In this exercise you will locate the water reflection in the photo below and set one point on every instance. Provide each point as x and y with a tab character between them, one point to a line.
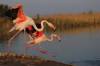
75	46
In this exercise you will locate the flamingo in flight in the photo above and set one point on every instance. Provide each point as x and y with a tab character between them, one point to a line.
22	21
39	36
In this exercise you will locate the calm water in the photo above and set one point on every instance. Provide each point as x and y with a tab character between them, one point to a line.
74	47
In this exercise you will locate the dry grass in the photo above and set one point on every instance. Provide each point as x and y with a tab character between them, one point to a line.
69	21
83	17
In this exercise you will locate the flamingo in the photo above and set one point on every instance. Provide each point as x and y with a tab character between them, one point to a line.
42	27
31	30
41	37
22	21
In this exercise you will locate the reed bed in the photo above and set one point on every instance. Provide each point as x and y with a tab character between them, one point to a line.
71	21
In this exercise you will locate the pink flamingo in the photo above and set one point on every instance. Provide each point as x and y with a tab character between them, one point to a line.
22	21
41	37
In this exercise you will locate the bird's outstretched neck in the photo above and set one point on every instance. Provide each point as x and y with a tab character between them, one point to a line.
42	25
54	36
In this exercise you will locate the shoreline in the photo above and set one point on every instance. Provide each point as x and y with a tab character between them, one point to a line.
12	59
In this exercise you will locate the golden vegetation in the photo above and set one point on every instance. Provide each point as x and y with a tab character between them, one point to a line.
71	21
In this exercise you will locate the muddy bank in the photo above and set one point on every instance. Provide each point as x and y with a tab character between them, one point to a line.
12	59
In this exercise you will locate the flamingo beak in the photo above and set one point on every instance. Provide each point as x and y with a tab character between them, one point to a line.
60	40
52	26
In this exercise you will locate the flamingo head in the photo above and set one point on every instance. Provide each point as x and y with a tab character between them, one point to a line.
52	26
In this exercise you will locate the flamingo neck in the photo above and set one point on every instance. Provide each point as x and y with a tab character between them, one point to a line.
51	38
42	26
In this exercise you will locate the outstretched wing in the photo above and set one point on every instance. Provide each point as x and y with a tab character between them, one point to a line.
11	13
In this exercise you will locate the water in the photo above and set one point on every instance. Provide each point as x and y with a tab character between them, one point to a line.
80	49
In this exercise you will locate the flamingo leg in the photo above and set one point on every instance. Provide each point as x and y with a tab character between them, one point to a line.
12	29
10	40
30	37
